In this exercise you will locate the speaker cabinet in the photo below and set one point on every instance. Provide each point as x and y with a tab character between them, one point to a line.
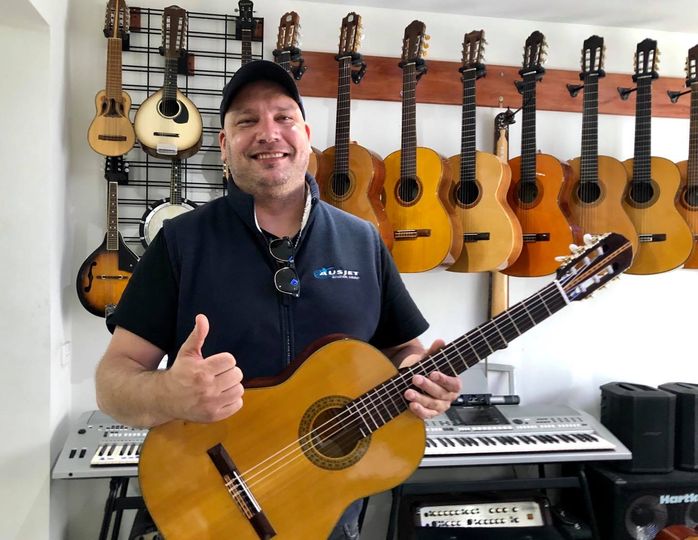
686	442
637	506
642	417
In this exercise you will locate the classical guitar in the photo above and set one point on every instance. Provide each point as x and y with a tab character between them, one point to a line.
111	132
665	241
332	429
168	124
350	176
417	180
288	55
104	275
539	190
688	190
597	182
677	532
167	208
491	234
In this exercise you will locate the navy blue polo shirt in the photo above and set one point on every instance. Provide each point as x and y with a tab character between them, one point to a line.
214	260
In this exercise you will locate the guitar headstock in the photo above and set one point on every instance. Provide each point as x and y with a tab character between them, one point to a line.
646	61
535	51
116	19
289	36
593	57
504	119
245	15
174	31
414	44
692	66
474	52
594	265
350	35
116	169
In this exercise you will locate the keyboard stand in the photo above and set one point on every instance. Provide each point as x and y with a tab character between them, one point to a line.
116	503
579	481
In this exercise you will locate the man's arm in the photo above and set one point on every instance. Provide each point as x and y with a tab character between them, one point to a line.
132	390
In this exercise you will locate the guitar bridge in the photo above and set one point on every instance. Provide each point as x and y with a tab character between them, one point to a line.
410	234
536	237
240	492
659	237
475	237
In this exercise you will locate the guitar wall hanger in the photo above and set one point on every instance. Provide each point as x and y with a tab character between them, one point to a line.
674	95
625	92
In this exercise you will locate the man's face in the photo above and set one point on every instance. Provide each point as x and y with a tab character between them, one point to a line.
265	140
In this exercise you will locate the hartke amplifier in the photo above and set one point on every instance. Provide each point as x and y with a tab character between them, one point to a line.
637	506
686	443
643	418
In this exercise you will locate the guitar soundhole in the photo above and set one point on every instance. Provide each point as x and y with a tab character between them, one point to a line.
331	437
641	192
169	108
466	193
341	185
690	197
528	192
407	190
588	192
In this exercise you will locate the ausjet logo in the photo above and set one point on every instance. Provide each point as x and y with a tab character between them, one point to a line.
678	499
330	272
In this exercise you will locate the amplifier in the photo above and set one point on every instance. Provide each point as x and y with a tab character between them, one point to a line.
686	442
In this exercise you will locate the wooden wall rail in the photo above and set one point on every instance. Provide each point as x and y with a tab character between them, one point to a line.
442	85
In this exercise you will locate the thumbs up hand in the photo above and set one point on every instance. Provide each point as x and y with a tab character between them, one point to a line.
203	389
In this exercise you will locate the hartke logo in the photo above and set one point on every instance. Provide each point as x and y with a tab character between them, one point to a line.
330	272
678	499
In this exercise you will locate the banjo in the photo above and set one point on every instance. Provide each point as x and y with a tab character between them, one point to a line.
167	208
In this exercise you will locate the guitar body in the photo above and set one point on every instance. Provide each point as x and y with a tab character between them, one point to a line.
111	132
605	213
429	213
104	275
658	215
157	213
301	497
687	204
489	214
543	215
360	192
168	134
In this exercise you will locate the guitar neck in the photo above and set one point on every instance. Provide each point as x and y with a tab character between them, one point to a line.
589	167
113	89
643	130
528	129
170	84
246	46
176	182
283	58
692	174
112	216
408	145
467	140
343	122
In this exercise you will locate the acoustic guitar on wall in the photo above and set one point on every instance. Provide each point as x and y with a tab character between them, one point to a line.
111	132
104	275
665	241
491	234
417	179
597	182
330	430
539	190
688	189
168	124
350	176
245	29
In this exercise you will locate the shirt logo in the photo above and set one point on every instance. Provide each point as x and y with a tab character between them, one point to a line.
330	272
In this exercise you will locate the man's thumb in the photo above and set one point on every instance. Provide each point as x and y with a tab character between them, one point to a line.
196	339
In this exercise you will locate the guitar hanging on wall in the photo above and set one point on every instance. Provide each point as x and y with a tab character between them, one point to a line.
597	182
111	132
104	275
417	179
665	241
168	124
538	192
167	208
351	176
491	234
333	429
245	27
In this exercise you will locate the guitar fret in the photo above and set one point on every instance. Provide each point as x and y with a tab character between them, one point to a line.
589	166
343	117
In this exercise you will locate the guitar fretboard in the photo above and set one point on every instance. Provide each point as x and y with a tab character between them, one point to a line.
341	156
113	89
467	139
112	217
692	174
589	166
528	129
408	145
643	130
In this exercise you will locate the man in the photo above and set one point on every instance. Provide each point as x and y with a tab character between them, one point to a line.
260	274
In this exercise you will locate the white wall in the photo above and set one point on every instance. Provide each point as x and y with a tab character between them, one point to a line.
635	330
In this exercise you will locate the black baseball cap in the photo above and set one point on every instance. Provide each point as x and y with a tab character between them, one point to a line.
259	70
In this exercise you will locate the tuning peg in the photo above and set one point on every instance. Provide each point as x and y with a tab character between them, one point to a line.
425	45
562	258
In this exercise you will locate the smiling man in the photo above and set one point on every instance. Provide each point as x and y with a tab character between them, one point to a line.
236	287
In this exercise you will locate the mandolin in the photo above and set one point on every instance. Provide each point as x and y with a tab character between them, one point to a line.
688	189
491	234
168	124
539	190
665	241
167	208
417	179
350	176
332	429
597	182
104	275
288	55
111	132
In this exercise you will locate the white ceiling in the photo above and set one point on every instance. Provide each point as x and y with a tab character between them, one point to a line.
667	15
